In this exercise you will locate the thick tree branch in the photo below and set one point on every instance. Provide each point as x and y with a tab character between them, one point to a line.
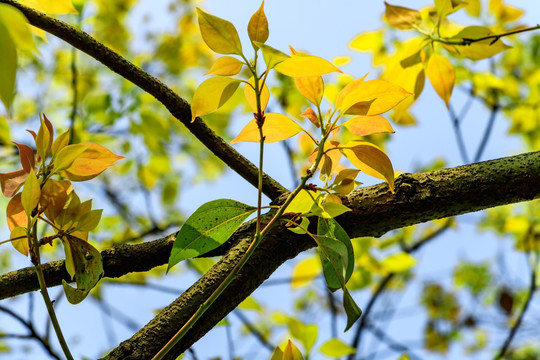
375	211
177	106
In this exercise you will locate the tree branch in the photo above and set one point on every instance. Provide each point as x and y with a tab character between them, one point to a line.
178	107
375	211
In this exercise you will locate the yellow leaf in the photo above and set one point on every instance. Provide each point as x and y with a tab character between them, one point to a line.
60	142
271	56
15	213
51	6
44	138
367	125
258	26
343	93
220	35
371	97
371	160
447	7
305	65
31	193
477	50
212	94
398	263
401	18
504	13
368	41
291	352
67	155
226	66
341	60
91	162
305	271
473	7
330	161
17	27
251	98
21	242
442	75
312	87
276	127
54	195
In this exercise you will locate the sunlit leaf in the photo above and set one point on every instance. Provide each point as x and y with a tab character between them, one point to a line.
503	12
51	6
67	155
249	303
15	23
8	66
345	182
371	97
368	125
15	213
312	116
303	202
336	348
91	162
88	268
402	18
251	98
477	50
207	228
305	65
89	220
371	160
291	352
271	56
258	26
31	193
60	142
447	7
21	242
44	138
277	354
219	34
305	271
311	87
212	94
226	66
399	262
276	127
442	76
54	196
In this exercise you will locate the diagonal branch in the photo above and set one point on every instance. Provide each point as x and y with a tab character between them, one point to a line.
178	107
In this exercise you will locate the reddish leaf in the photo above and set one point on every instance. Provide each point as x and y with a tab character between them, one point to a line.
26	155
11	182
92	162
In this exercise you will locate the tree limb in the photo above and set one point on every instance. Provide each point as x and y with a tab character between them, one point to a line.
375	211
178	107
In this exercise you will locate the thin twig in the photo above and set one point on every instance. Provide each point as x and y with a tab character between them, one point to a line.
253	330
459	136
495	37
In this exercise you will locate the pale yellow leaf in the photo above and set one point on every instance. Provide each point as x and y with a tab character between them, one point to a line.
212	94
276	127
399	262
56	7
478	50
21	240
225	66
258	26
371	160
305	65
220	35
367	125
442	76
312	87
251	98
305	271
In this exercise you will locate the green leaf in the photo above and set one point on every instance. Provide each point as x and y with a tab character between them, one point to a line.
31	193
207	228
332	209
8	68
336	348
89	221
87	265
219	34
212	94
351	309
271	56
258	26
331	228
334	259
16	25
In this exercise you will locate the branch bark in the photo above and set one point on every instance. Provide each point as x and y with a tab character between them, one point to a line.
178	107
375	211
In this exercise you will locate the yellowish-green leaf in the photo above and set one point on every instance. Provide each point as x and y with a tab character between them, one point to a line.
31	193
89	220
447	7
305	65
51	6
312	87
305	271
336	348
67	155
399	262
368	41
17	27
442	75
43	139
60	142
220	35
8	67
250	303
368	125
303	202
477	50
276	127
21	240
333	209
212	94
258	26
226	66
371	160
291	352
504	13
277	354
402	18
251	98
473	7
271	56
371	97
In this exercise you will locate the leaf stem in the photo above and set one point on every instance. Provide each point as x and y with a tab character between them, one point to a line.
34	251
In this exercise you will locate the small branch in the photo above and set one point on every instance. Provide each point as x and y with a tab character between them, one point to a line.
495	37
178	107
517	324
253	330
392	344
459	136
487	131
